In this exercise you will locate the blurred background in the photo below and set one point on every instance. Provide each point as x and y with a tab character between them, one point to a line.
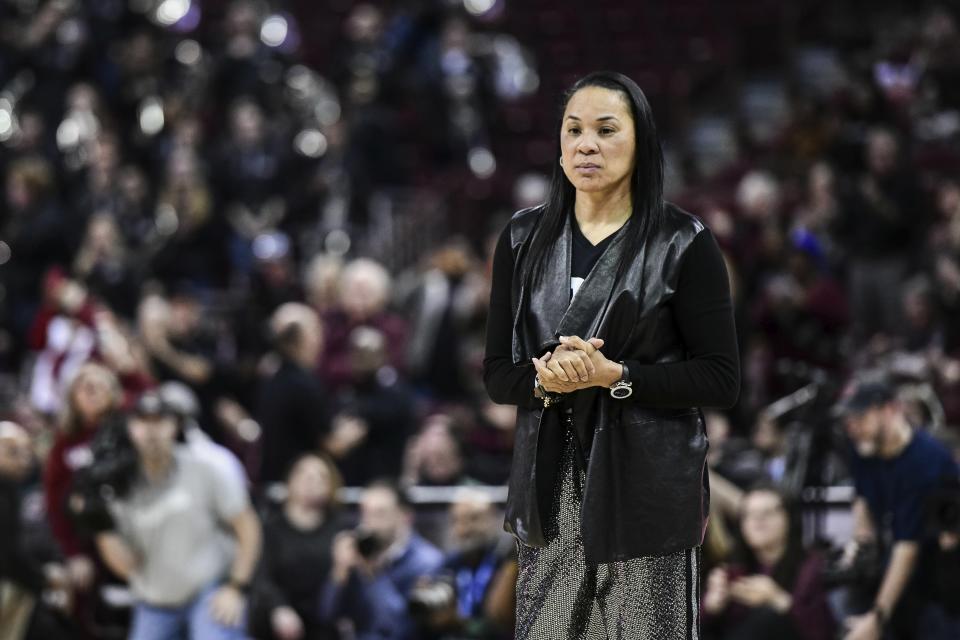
288	209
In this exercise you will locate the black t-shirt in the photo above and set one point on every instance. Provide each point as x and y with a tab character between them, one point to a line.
702	308
584	254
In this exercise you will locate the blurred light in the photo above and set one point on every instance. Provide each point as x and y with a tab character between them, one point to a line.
68	134
6	120
274	31
271	246
481	162
171	11
299	78
166	221
70	32
527	81
188	52
249	430
478	7
190	21
337	242
327	112
5	252
151	116
310	143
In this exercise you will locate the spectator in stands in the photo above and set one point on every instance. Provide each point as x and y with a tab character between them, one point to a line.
443	304
170	537
771	587
26	585
33	227
883	221
895	469
292	409
364	297
801	310
103	264
376	566
92	396
482	568
296	556
378	397
434	456
189	243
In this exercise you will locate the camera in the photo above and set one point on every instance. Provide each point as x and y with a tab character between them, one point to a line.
369	544
864	572
111	475
432	601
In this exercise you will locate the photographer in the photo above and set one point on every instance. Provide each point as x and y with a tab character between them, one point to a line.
474	595
376	565
895	469
187	574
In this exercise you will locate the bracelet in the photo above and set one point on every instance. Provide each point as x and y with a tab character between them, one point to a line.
242	587
549	398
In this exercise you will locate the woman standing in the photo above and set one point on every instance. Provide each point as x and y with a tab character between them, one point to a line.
610	325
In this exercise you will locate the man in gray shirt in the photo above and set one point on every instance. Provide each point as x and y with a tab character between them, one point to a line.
186	537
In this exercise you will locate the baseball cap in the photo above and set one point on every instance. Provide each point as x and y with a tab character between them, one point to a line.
864	390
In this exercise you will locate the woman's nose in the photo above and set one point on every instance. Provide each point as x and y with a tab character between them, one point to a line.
588	144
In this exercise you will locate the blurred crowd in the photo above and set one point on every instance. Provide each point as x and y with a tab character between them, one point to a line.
245	252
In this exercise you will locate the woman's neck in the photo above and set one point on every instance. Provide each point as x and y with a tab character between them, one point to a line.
770	555
601	208
303	517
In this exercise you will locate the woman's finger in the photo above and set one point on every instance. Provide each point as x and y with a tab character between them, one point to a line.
546	375
569	367
554	365
588	365
578	343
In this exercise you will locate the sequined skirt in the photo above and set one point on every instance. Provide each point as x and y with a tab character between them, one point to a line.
561	597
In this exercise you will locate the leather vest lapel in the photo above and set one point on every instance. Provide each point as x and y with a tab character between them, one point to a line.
547	312
540	310
588	309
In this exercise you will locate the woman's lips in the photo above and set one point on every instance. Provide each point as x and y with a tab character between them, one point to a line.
588	168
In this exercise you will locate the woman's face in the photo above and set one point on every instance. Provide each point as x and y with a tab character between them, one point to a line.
763	520
310	483
597	141
92	397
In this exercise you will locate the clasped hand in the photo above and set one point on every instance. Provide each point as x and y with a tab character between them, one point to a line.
575	364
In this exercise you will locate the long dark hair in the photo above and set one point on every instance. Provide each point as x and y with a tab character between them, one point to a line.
788	566
646	183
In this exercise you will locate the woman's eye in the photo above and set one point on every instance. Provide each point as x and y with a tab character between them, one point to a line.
573	131
606	131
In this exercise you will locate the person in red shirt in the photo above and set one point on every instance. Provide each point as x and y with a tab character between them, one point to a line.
771	587
93	393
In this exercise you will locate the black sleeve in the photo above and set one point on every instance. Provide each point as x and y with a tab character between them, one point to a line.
506	382
703	310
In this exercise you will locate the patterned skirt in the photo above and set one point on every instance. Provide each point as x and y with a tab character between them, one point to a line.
561	597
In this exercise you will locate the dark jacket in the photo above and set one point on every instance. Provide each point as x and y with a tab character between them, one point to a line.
646	489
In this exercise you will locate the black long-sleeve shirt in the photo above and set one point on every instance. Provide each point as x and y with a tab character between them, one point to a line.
702	308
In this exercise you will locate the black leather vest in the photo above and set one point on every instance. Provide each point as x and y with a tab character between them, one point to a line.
646	489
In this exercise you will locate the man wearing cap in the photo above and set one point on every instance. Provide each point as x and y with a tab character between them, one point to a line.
895	469
185	535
